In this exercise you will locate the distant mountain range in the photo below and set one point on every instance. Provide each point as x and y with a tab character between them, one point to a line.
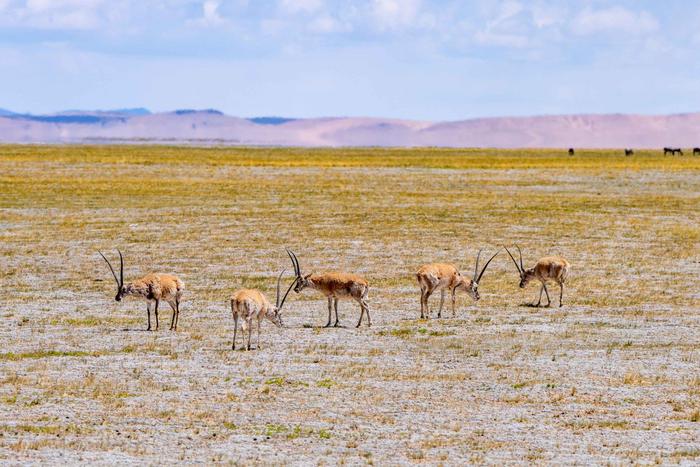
212	127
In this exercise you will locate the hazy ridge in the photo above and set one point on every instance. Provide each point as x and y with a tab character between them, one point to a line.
213	127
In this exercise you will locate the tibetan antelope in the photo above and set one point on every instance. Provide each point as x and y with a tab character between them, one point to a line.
571	151
629	152
334	285
696	151
153	288
251	304
439	276
554	268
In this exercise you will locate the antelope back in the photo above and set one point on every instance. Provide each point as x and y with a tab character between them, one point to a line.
332	283
552	267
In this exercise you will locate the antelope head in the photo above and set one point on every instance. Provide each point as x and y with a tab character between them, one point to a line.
275	313
526	275
121	290
471	286
300	282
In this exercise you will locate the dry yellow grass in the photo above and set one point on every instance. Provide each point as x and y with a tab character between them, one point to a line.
611	377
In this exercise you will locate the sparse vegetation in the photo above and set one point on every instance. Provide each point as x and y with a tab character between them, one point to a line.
618	362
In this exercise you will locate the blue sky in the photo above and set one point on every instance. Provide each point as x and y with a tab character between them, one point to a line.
418	59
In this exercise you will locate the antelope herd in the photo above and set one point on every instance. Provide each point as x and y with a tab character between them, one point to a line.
251	307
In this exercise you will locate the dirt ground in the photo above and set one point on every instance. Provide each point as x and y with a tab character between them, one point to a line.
611	377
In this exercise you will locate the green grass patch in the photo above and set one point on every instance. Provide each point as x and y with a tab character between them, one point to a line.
11	356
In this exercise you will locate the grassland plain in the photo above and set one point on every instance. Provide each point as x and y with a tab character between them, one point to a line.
611	377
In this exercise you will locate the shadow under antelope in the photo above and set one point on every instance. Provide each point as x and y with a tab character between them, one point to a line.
151	287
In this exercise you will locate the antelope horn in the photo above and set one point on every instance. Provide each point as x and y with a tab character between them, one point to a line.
487	265
289	289
295	262
522	268
514	262
110	268
121	268
279	279
476	267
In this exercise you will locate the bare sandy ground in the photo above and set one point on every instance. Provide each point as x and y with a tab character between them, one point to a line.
612	377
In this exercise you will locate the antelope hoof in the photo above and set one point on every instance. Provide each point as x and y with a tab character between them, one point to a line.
328	324
336	325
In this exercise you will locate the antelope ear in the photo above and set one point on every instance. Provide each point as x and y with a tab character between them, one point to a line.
307	276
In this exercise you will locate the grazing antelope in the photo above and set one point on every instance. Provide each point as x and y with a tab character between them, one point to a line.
629	152
673	151
250	304
554	268
439	276
334	285
153	288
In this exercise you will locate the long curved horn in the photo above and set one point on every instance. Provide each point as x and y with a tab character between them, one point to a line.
514	262
121	268
289	289
476	267
110	268
295	262
279	279
522	268
486	265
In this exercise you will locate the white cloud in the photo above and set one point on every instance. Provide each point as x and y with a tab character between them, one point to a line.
544	16
397	14
507	28
297	6
53	14
614	19
326	24
501	39
210	11
210	15
53	5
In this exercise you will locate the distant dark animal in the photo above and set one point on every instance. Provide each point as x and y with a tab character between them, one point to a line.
629	152
696	151
673	151
571	151
668	151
